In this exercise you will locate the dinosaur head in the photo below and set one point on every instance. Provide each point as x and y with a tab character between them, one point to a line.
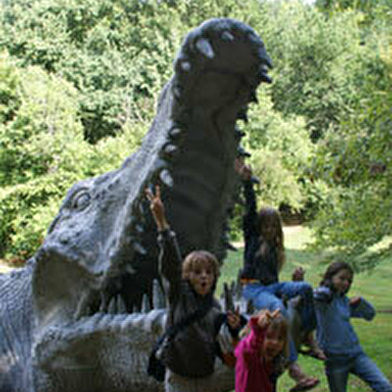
99	257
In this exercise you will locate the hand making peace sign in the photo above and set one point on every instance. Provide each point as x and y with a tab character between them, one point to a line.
157	208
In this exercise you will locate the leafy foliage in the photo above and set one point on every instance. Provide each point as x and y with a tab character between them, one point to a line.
41	152
319	63
280	152
79	82
357	168
113	52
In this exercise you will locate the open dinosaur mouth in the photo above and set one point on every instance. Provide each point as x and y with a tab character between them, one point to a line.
190	151
98	306
194	154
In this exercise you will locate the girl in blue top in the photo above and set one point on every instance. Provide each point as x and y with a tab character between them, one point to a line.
336	335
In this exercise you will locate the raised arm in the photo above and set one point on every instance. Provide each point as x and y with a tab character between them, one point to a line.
170	258
245	173
157	208
252	343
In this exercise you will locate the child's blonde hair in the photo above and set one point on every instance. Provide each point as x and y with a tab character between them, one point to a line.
200	258
278	323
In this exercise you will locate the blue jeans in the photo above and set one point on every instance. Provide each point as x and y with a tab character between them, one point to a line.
269	297
338	368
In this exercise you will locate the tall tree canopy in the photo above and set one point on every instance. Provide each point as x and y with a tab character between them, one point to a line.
79	82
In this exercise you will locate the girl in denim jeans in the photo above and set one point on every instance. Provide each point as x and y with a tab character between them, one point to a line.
264	257
336	335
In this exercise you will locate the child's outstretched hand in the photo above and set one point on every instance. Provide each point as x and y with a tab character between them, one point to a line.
354	301
298	275
157	207
266	318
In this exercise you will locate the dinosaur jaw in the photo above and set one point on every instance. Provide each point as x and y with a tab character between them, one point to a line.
106	353
98	353
96	267
190	150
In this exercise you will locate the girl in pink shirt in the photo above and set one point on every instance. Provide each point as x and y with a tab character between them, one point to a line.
262	354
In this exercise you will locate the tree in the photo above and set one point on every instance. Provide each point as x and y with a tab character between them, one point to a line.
280	151
103	63
356	165
41	153
111	51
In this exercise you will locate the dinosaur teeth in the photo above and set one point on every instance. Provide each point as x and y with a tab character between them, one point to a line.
102	307
263	68
145	304
139	228
263	76
253	97
242	153
139	248
175	132
239	134
260	49
129	269
264	58
177	91
158	296
121	307
142	209
112	308
185	66
231	247
227	36
117	305
243	115
205	48
170	150
166	178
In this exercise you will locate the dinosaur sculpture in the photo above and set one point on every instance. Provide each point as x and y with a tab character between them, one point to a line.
76	317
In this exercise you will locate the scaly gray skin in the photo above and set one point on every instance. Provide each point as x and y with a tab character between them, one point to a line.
71	327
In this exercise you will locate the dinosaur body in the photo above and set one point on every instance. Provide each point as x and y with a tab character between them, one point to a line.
72	319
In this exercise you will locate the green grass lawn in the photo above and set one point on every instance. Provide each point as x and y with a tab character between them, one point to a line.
375	336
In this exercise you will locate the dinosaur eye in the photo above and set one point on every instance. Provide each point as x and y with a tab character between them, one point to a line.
81	200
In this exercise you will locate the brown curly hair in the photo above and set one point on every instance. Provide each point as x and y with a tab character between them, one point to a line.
199	258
